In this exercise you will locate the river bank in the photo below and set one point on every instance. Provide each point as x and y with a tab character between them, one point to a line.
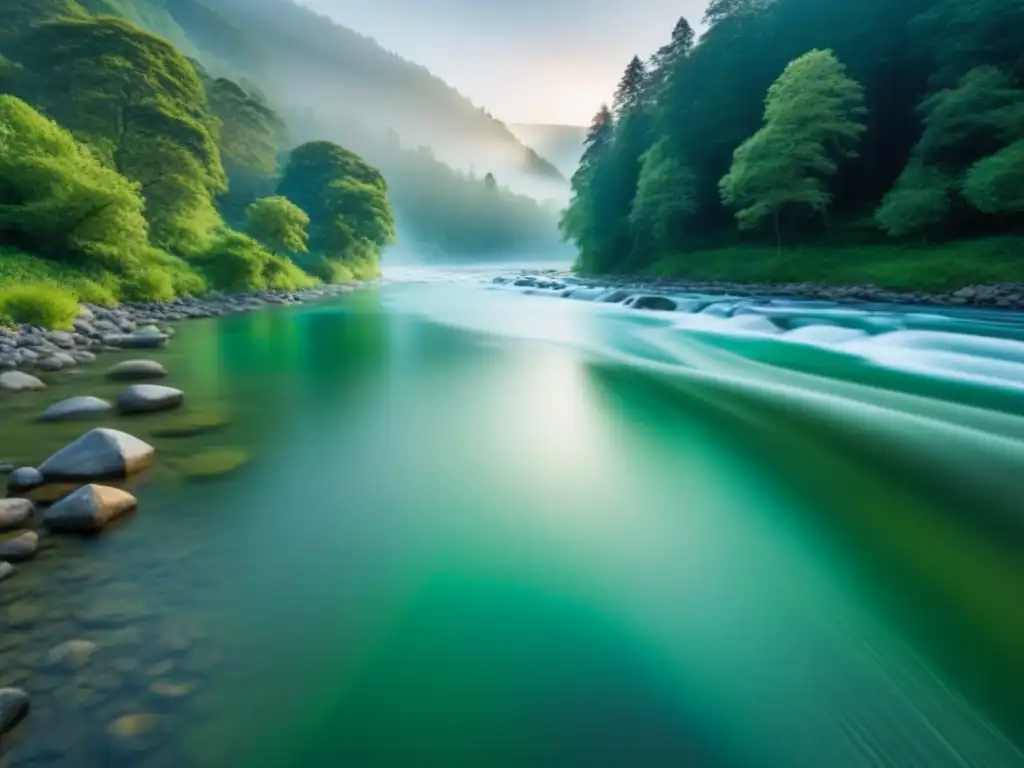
990	296
128	326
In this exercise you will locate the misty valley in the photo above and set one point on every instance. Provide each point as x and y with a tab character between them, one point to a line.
346	421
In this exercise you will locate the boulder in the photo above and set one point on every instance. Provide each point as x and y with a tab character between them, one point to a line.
89	509
148	398
136	370
16	381
14	513
14	704
19	547
75	407
97	455
6	570
24	478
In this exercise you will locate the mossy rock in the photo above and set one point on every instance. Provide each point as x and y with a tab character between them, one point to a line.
213	462
191	424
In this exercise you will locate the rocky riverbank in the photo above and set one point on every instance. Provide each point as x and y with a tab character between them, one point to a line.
998	296
29	348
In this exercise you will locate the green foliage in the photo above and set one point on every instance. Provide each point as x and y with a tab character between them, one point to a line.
665	197
57	199
920	201
38	304
280	225
237	263
996	184
251	134
811	118
134	98
346	200
92	292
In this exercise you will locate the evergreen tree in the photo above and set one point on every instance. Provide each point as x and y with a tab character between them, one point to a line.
812	119
585	220
668	57
630	92
490	182
665	198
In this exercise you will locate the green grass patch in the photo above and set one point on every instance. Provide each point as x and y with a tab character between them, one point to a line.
936	268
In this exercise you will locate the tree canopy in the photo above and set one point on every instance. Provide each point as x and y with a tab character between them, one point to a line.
347	202
134	98
279	225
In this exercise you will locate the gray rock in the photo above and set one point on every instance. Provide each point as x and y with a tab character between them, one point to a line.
14	704
58	361
661	303
143	341
89	509
62	339
137	370
20	547
6	570
24	478
148	329
16	381
83	356
14	513
97	455
75	407
148	398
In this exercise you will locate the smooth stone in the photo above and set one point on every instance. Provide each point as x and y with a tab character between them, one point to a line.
136	370
89	509
149	398
6	570
130	726
660	303
75	407
74	654
150	328
23	479
14	704
99	454
19	547
83	356
142	341
17	381
14	513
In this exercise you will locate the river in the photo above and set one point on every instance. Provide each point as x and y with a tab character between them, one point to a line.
485	528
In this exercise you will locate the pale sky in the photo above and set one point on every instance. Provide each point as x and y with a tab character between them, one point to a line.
530	61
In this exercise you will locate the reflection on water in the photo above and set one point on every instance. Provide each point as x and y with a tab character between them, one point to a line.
481	528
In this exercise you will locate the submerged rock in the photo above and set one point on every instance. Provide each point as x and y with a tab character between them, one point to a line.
89	509
24	479
74	654
149	398
99	455
192	424
137	370
16	381
659	303
19	547
14	704
142	341
214	462
75	407
14	513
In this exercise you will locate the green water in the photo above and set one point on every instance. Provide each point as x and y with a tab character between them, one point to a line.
485	529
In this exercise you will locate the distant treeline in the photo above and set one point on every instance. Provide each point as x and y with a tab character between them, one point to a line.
794	122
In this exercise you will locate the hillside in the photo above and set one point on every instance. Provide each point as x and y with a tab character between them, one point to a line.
561	144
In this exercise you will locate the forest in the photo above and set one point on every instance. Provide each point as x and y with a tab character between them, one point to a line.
814	140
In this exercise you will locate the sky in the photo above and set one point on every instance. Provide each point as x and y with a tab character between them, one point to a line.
530	61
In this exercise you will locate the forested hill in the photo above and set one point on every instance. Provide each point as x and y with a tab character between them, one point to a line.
885	127
327	82
561	144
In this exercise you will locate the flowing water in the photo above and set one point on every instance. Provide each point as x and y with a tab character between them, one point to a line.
485	528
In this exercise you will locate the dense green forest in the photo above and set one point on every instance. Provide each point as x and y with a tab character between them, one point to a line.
127	172
325	81
892	132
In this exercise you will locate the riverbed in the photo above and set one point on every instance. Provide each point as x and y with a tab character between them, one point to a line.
480	526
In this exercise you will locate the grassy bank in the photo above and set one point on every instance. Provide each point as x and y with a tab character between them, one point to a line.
944	267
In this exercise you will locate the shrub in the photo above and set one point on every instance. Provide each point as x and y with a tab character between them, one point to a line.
39	304
92	292
148	284
235	264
